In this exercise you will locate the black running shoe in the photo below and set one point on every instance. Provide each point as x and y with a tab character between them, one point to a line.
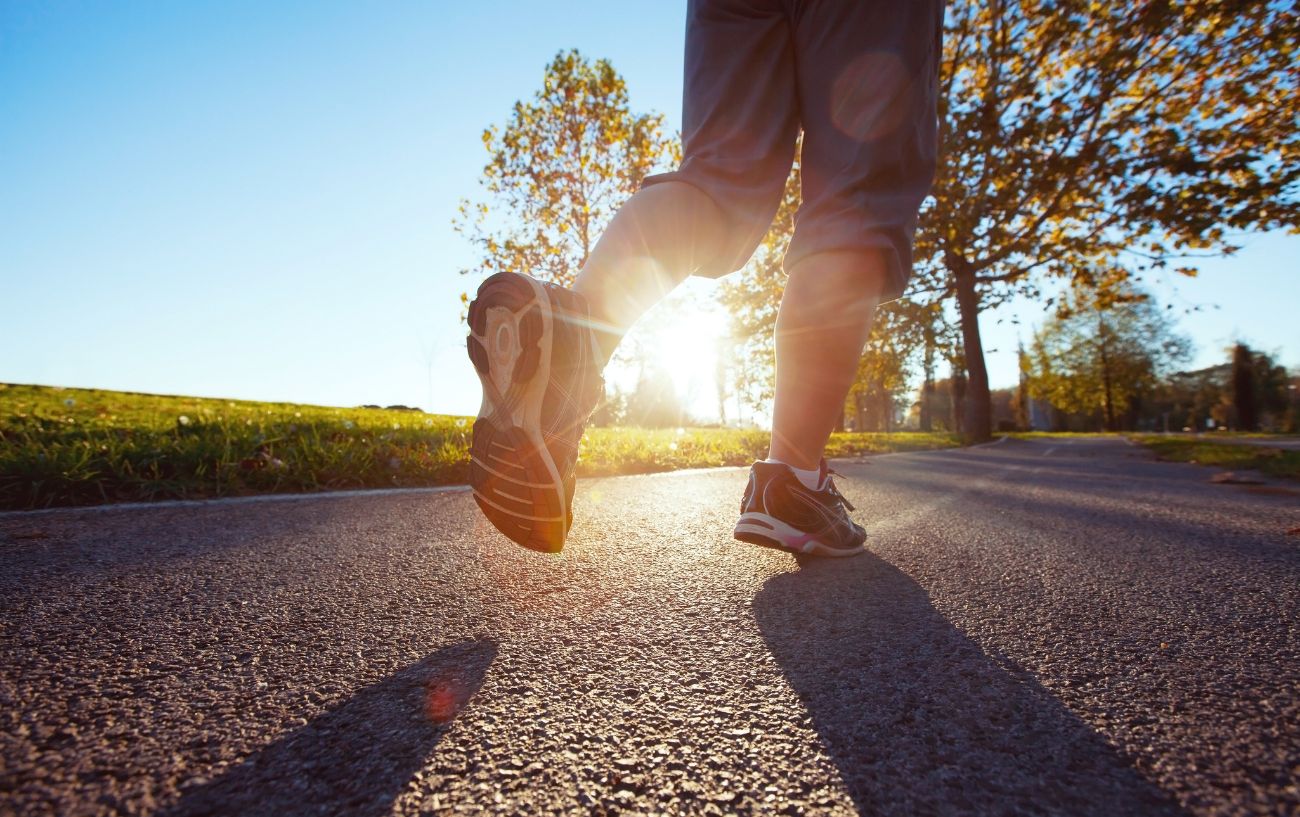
779	511
533	348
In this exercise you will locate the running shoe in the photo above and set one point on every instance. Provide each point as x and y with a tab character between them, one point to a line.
535	353
779	511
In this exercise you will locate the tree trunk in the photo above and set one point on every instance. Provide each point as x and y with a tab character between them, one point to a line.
1243	388
1020	409
978	426
927	389
958	401
1109	396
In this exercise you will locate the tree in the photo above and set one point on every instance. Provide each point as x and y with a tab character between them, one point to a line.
1260	396
1020	413
1243	387
1249	379
654	402
1077	134
1272	392
1290	419
1187	399
1101	358
896	334
937	339
612	411
559	170
946	414
925	401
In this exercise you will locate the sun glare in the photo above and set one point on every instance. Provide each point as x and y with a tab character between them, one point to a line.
682	337
687	348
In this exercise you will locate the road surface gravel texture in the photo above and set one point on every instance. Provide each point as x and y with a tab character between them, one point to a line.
1041	627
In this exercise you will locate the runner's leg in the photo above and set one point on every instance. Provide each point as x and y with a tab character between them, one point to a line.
739	128
662	235
822	325
867	89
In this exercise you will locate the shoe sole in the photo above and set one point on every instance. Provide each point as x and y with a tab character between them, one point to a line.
514	478
760	529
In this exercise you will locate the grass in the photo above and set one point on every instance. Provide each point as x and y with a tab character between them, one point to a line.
61	447
1049	435
609	451
1275	462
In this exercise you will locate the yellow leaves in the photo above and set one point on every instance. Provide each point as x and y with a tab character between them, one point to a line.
559	168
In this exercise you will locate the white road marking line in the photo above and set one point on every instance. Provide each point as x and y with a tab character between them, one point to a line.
998	441
360	492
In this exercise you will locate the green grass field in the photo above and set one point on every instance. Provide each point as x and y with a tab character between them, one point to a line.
84	447
1275	462
1060	435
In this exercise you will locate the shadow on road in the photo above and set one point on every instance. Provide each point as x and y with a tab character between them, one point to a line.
919	719
357	758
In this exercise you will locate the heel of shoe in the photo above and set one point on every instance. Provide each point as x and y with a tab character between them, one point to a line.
506	328
753	529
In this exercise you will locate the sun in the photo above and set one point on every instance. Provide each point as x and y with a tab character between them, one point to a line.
683	338
687	348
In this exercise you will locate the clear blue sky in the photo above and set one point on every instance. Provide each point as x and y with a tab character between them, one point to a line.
251	199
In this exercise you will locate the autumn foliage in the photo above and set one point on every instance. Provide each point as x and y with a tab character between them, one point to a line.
559	169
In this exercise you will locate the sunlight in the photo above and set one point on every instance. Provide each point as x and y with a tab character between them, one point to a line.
681	337
685	345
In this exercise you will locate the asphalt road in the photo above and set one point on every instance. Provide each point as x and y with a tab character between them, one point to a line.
1041	628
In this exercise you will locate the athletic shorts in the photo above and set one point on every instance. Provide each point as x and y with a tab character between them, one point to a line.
859	77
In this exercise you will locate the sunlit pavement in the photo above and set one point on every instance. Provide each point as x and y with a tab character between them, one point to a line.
1042	627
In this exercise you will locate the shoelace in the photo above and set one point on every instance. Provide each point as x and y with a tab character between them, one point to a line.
830	486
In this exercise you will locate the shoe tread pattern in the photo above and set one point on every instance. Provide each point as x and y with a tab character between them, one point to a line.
511	482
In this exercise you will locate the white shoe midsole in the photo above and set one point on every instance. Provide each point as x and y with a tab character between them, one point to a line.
788	536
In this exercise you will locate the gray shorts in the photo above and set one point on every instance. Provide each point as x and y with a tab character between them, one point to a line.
858	76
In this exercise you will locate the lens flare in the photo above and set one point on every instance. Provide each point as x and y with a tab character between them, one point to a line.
444	697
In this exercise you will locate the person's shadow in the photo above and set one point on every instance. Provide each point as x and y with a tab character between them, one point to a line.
918	719
357	758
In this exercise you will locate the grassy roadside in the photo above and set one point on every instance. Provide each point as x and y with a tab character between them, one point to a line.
1060	435
609	451
1275	462
62	447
